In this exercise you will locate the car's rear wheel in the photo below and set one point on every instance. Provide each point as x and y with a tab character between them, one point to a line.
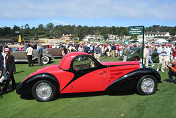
45	59
147	85
43	91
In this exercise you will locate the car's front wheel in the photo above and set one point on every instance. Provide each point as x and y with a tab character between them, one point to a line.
43	91
147	85
45	60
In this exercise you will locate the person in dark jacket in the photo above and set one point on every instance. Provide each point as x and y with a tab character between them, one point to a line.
1	60
40	55
10	67
113	48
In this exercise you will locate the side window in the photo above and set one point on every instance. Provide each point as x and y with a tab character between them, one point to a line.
83	62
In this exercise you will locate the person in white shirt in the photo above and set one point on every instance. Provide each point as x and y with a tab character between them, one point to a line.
29	53
162	58
80	48
72	48
146	56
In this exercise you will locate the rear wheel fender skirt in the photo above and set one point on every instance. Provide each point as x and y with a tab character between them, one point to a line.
129	81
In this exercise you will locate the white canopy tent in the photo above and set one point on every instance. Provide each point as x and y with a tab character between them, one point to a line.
161	41
141	40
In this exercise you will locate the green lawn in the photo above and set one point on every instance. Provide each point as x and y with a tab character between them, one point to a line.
160	105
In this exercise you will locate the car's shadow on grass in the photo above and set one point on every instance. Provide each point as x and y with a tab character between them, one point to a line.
79	95
26	97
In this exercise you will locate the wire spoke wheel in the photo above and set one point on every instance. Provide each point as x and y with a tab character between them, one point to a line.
147	85
43	90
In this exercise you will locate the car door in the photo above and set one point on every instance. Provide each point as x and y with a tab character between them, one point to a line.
19	55
88	76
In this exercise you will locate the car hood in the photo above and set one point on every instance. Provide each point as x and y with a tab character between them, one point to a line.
47	69
120	63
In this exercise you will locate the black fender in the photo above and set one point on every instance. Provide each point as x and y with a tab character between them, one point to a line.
25	86
130	80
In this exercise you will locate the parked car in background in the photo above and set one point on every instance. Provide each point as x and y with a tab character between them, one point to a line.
20	56
80	72
135	54
57	50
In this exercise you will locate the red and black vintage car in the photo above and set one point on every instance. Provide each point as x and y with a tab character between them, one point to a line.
80	72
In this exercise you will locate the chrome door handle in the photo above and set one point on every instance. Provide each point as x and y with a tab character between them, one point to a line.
101	72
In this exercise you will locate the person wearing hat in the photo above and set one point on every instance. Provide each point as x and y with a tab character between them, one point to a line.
3	66
162	58
10	67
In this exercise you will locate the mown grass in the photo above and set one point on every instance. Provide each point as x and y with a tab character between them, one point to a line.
160	105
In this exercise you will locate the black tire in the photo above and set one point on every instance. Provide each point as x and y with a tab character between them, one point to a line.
50	86
45	59
153	84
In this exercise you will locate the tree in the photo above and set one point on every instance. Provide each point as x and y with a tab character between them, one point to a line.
27	30
50	30
41	30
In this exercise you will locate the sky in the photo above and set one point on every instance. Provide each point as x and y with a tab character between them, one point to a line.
88	12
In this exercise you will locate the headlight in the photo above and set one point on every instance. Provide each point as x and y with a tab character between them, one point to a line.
141	65
47	51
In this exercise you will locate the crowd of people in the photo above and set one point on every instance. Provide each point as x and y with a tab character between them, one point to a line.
166	52
98	50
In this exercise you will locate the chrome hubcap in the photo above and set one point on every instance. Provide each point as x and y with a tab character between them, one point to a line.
147	85
43	90
45	60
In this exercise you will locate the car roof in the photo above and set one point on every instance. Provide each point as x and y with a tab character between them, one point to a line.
15	46
66	60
